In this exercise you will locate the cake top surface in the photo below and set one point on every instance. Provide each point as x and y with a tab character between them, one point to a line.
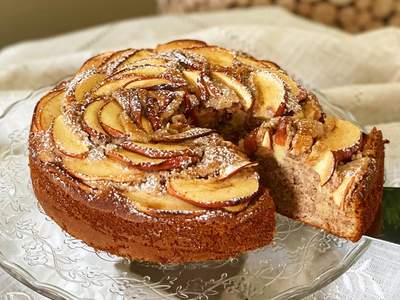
172	128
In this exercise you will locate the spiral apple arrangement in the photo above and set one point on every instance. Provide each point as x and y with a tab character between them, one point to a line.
172	128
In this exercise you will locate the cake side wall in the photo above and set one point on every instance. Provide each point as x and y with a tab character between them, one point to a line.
161	240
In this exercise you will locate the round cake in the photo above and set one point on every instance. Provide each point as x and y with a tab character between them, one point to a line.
167	155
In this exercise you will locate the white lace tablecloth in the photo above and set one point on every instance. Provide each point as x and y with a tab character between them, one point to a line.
360	73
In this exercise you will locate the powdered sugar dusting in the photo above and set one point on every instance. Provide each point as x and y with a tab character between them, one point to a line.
169	118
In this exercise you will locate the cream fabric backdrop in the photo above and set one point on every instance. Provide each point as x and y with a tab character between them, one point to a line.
360	73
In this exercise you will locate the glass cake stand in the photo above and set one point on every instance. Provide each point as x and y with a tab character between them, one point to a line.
35	251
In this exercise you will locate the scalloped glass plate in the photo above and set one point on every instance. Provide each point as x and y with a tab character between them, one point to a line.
35	251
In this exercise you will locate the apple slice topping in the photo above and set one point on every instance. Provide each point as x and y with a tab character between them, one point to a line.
66	140
141	71
191	133
151	203
270	94
324	166
94	62
344	139
100	169
339	195
86	84
147	83
48	109
136	56
116	59
180	44
257	64
291	84
150	61
90	122
244	94
192	77
133	131
111	85
348	179
234	167
338	145
151	164
214	55
110	120
157	150
213	193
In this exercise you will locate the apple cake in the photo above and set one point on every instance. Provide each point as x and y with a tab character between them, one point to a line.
184	152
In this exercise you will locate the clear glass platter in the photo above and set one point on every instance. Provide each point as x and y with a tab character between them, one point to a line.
35	251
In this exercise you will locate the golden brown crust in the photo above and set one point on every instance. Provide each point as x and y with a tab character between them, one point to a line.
106	222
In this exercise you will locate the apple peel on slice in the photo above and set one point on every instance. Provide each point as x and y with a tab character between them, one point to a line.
271	95
349	173
257	64
100	169
213	193
110	120
95	61
147	83
191	133
180	44
235	167
246	99
157	150
66	140
87	84
343	140
325	166
90	120
48	108
132	130
141	71
110	85
151	203
214	55
151	164
136	56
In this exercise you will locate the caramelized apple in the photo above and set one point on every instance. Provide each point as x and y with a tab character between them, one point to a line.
66	140
94	62
86	84
270	95
153	203
344	139
48	109
325	166
136	56
90	122
158	150
100	169
212	193
242	91
151	164
180	44
191	133
109	119
214	55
